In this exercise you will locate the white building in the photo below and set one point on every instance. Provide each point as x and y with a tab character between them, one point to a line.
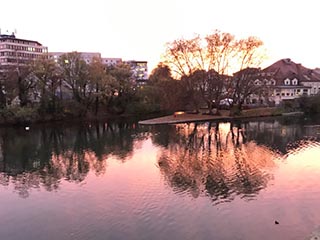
15	51
88	56
287	80
293	80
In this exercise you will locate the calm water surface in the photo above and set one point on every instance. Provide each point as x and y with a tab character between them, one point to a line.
185	181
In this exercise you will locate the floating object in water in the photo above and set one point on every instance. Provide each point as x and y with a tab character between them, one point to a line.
27	128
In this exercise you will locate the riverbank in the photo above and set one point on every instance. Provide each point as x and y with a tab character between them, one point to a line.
29	116
21	117
182	117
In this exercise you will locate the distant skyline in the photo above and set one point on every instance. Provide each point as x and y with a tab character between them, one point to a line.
139	29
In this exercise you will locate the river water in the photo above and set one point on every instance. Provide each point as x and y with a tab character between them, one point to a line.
257	179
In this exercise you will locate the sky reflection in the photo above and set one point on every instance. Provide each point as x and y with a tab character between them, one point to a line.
220	161
187	181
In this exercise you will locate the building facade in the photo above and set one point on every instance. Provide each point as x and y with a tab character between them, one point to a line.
88	57
286	80
111	61
16	51
139	71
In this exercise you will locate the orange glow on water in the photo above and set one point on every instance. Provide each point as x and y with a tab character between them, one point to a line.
181	181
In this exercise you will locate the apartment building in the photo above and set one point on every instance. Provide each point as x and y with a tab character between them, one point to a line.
88	57
139	71
111	61
15	51
139	68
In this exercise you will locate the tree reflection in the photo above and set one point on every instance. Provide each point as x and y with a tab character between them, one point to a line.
281	134
216	159
44	156
220	160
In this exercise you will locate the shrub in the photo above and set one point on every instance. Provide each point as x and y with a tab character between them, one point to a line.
142	108
18	115
310	105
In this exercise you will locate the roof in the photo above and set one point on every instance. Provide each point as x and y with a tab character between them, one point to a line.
248	71
286	68
12	36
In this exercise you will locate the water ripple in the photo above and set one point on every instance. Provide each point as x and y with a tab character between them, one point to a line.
301	146
218	174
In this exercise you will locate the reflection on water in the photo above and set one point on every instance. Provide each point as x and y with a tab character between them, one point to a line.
216	160
187	181
44	156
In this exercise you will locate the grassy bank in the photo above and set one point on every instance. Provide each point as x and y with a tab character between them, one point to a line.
18	116
261	112
26	116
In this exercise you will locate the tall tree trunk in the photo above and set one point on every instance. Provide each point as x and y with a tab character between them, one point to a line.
3	99
22	93
97	101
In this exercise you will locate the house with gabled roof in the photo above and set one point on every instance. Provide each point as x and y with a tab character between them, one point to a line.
288	80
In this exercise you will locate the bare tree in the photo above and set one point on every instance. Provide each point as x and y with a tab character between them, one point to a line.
184	56
205	65
187	61
246	82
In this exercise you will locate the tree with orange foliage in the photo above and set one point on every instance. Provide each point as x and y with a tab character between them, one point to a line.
205	65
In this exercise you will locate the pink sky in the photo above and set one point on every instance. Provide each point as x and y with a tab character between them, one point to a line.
139	29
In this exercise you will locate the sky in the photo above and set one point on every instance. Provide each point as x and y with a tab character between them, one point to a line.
139	29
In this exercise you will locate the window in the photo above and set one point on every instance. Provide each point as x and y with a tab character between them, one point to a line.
287	82
295	82
257	82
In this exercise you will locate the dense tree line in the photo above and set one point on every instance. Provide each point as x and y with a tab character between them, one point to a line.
194	73
68	85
